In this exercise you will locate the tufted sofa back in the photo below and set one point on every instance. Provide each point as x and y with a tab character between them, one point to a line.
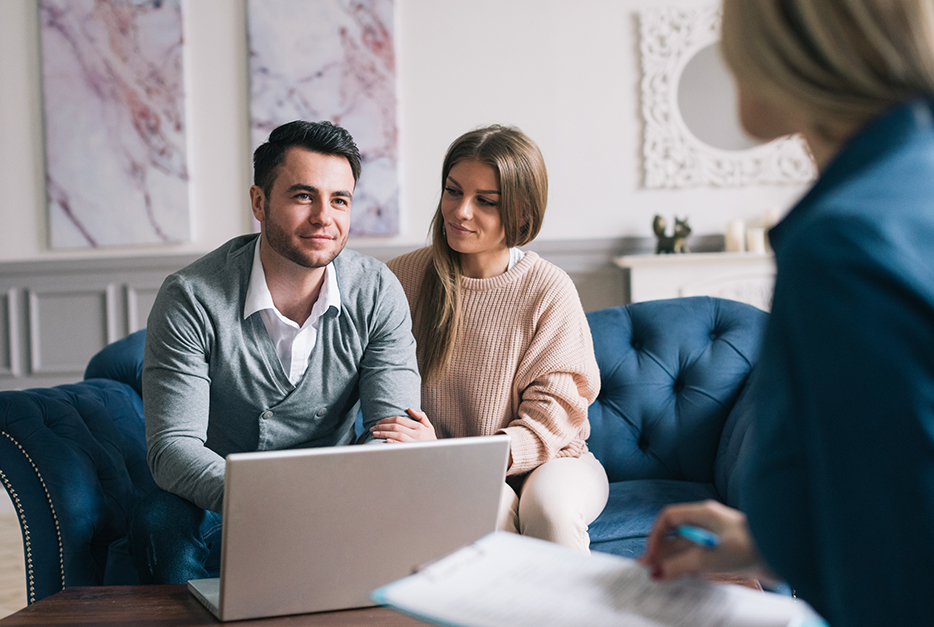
671	372
120	361
73	459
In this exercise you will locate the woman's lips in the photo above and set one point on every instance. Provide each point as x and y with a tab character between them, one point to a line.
459	229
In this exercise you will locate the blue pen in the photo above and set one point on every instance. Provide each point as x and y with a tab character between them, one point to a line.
702	537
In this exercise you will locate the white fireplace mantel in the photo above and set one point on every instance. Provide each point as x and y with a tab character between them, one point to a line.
746	277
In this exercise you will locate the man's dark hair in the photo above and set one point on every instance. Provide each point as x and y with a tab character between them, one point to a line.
322	137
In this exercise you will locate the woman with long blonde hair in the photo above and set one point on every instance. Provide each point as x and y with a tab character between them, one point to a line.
839	500
503	343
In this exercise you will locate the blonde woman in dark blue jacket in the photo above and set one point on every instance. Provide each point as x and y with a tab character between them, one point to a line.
839	501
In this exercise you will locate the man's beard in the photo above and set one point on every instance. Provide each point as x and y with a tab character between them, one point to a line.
281	242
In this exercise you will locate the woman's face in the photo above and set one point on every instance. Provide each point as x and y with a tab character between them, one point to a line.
761	116
470	207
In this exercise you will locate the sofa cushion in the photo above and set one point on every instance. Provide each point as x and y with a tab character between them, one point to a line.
632	508
670	371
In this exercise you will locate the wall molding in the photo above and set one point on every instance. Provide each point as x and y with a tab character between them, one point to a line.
59	312
9	350
52	323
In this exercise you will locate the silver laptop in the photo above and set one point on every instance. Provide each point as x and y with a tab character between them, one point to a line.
319	529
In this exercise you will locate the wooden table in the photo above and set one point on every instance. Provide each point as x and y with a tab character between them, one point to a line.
175	606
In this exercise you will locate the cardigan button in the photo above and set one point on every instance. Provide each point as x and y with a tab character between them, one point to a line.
321	412
266	415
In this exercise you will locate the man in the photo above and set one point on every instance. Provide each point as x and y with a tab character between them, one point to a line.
268	342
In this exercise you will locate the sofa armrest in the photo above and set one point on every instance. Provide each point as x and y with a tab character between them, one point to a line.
121	361
730	464
73	459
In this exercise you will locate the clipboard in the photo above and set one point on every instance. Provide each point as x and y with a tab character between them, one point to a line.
505	579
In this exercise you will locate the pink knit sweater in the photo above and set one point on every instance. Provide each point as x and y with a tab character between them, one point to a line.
523	363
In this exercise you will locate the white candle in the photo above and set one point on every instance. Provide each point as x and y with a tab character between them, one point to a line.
734	238
755	239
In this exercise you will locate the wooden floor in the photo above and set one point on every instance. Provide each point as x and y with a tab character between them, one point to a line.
12	566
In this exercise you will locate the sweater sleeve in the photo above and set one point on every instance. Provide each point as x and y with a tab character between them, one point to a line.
557	379
176	399
389	379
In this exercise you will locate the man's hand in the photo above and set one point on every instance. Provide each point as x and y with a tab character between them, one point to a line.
402	429
670	557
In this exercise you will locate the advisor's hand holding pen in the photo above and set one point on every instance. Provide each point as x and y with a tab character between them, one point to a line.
696	538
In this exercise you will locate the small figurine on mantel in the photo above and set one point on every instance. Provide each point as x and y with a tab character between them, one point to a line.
676	243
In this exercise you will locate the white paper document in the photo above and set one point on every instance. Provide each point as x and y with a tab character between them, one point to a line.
506	579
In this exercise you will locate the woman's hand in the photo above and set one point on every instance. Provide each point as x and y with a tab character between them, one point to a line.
402	429
670	557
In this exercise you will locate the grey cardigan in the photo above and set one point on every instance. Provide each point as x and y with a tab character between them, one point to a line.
213	385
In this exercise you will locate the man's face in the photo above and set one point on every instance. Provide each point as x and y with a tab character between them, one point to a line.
306	216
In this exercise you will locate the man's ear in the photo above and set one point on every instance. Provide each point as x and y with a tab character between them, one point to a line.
257	202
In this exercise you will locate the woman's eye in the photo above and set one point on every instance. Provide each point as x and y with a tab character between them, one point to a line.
485	202
450	191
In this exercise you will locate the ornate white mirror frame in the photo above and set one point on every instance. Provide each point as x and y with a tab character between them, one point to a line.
673	156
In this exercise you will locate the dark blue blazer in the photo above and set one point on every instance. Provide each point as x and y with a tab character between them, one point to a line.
840	496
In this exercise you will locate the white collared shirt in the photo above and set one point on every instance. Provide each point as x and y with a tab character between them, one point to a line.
293	343
515	256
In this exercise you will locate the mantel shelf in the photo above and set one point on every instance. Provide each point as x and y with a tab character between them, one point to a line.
746	277
635	261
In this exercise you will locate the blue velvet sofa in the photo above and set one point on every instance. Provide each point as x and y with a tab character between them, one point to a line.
672	413
668	426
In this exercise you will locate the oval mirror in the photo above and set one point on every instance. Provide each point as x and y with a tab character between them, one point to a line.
707	102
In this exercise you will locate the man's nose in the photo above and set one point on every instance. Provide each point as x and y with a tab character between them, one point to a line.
321	214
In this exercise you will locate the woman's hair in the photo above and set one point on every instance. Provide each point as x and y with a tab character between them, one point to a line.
841	59
523	186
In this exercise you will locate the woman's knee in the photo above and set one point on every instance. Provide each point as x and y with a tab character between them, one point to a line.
561	498
568	483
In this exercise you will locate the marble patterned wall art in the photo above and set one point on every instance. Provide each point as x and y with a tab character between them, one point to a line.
691	134
332	60
117	170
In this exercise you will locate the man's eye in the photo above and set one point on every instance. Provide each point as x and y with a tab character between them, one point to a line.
341	201
303	196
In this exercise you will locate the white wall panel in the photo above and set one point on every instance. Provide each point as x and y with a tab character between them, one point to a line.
67	326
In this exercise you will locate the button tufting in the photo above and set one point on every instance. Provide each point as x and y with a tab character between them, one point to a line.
679	385
636	344
643	443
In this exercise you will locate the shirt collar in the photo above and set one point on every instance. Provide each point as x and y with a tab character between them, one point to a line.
259	298
881	137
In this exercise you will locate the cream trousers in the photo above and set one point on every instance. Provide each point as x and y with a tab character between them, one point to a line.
558	500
